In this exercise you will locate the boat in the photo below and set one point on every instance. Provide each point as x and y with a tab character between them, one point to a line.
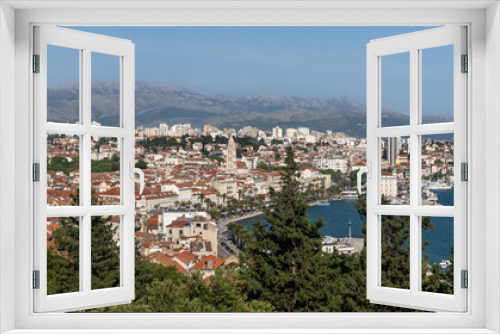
323	203
431	196
395	201
444	264
438	185
349	194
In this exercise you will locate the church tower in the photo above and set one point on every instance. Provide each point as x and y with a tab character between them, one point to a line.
231	155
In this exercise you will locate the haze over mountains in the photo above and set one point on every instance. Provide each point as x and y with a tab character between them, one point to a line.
173	104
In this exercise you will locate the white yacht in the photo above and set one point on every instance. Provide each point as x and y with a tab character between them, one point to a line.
430	195
444	264
438	185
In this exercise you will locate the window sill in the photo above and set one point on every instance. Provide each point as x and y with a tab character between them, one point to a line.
248	331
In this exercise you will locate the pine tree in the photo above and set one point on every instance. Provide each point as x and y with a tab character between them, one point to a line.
283	260
63	258
395	251
105	254
395	259
440	282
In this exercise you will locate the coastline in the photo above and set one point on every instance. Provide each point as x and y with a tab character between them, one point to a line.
257	213
339	213
237	219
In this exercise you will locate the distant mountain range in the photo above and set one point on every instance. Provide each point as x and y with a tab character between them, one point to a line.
173	104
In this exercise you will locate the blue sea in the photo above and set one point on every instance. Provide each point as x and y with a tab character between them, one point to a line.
338	214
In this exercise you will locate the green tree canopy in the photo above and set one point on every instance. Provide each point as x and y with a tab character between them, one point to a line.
283	258
141	164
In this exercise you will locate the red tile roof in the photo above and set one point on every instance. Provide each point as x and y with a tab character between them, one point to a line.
186	257
178	223
203	263
167	261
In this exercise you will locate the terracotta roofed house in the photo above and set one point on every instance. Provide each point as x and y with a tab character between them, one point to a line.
207	265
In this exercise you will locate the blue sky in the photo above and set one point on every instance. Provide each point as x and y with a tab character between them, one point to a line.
307	61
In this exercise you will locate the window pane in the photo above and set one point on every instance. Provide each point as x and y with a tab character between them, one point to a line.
63	170
395	95
437	84
105	166
105	252
63	255
395	170
437	170
395	260
63	85
437	254
105	89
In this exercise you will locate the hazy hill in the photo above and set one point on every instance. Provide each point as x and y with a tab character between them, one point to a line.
170	103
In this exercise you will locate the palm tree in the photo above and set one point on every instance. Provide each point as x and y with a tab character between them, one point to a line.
322	189
240	207
201	198
208	203
309	190
232	205
229	208
236	230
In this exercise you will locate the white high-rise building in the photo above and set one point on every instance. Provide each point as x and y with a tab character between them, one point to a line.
389	183
310	139
152	132
290	132
277	132
391	149
334	163
163	129
303	130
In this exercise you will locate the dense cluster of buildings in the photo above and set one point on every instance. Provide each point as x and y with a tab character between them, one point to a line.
437	168
185	181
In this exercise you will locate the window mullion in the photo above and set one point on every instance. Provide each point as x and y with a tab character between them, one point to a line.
85	257
39	188
85	149
373	156
392	210
86	172
394	131
105	131
459	156
415	98
67	129
434	129
415	251
127	110
109	210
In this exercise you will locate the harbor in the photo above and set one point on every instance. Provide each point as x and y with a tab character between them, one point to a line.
338	213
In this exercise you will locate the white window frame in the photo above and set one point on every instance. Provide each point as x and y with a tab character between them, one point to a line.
85	44
483	21
413	44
